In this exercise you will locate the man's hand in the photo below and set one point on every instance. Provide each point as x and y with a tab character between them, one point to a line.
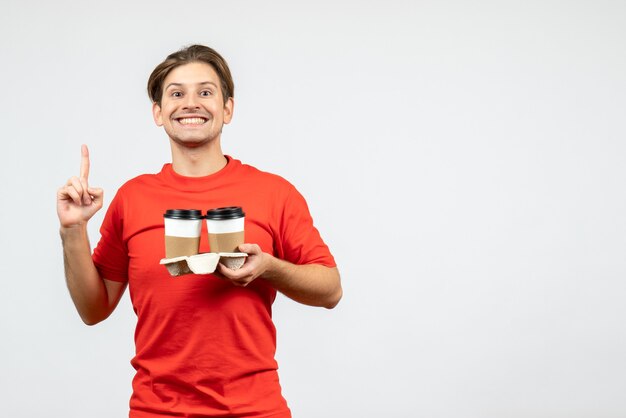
76	201
311	284
256	264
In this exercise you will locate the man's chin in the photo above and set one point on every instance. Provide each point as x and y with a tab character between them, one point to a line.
193	142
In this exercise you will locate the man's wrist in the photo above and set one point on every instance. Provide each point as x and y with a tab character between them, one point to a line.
274	269
72	232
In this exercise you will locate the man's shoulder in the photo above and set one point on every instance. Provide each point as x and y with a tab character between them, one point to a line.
139	181
267	178
138	184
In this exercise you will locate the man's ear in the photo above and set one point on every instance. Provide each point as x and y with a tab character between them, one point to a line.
156	114
229	106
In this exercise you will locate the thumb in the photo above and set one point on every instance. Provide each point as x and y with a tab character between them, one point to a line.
97	193
249	248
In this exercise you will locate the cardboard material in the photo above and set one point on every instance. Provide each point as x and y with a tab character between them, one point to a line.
233	261
204	263
195	264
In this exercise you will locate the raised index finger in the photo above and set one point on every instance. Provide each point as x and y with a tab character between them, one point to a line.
84	162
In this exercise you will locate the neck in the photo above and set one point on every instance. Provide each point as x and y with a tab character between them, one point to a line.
200	161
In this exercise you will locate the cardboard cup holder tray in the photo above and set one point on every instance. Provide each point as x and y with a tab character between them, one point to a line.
204	263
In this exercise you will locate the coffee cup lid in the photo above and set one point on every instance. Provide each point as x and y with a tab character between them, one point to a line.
229	212
183	214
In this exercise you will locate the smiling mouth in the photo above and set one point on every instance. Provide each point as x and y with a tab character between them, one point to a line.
191	121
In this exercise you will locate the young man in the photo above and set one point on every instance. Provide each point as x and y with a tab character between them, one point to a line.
205	344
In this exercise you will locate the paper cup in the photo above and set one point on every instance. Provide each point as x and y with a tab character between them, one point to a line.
226	229
182	232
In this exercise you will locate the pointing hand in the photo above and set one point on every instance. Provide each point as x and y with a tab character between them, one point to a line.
76	201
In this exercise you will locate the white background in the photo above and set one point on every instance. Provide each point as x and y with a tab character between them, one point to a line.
463	160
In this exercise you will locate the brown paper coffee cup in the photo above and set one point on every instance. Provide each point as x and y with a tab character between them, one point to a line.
226	229
182	232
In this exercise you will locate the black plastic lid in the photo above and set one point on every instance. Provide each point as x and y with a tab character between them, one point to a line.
183	214
230	212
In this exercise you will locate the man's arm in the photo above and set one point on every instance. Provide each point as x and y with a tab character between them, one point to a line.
310	284
95	298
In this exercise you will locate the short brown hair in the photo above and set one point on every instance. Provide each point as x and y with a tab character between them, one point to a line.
193	53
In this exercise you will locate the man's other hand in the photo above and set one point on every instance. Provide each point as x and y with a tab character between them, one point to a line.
256	264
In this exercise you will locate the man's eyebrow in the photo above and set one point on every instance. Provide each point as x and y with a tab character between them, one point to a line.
200	84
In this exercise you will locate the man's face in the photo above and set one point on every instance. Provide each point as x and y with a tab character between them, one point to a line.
192	110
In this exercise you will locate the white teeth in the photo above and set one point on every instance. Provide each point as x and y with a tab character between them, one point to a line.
191	121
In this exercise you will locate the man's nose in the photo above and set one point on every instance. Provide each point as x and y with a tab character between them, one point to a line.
191	102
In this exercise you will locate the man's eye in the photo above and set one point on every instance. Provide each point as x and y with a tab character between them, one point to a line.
177	94
205	93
